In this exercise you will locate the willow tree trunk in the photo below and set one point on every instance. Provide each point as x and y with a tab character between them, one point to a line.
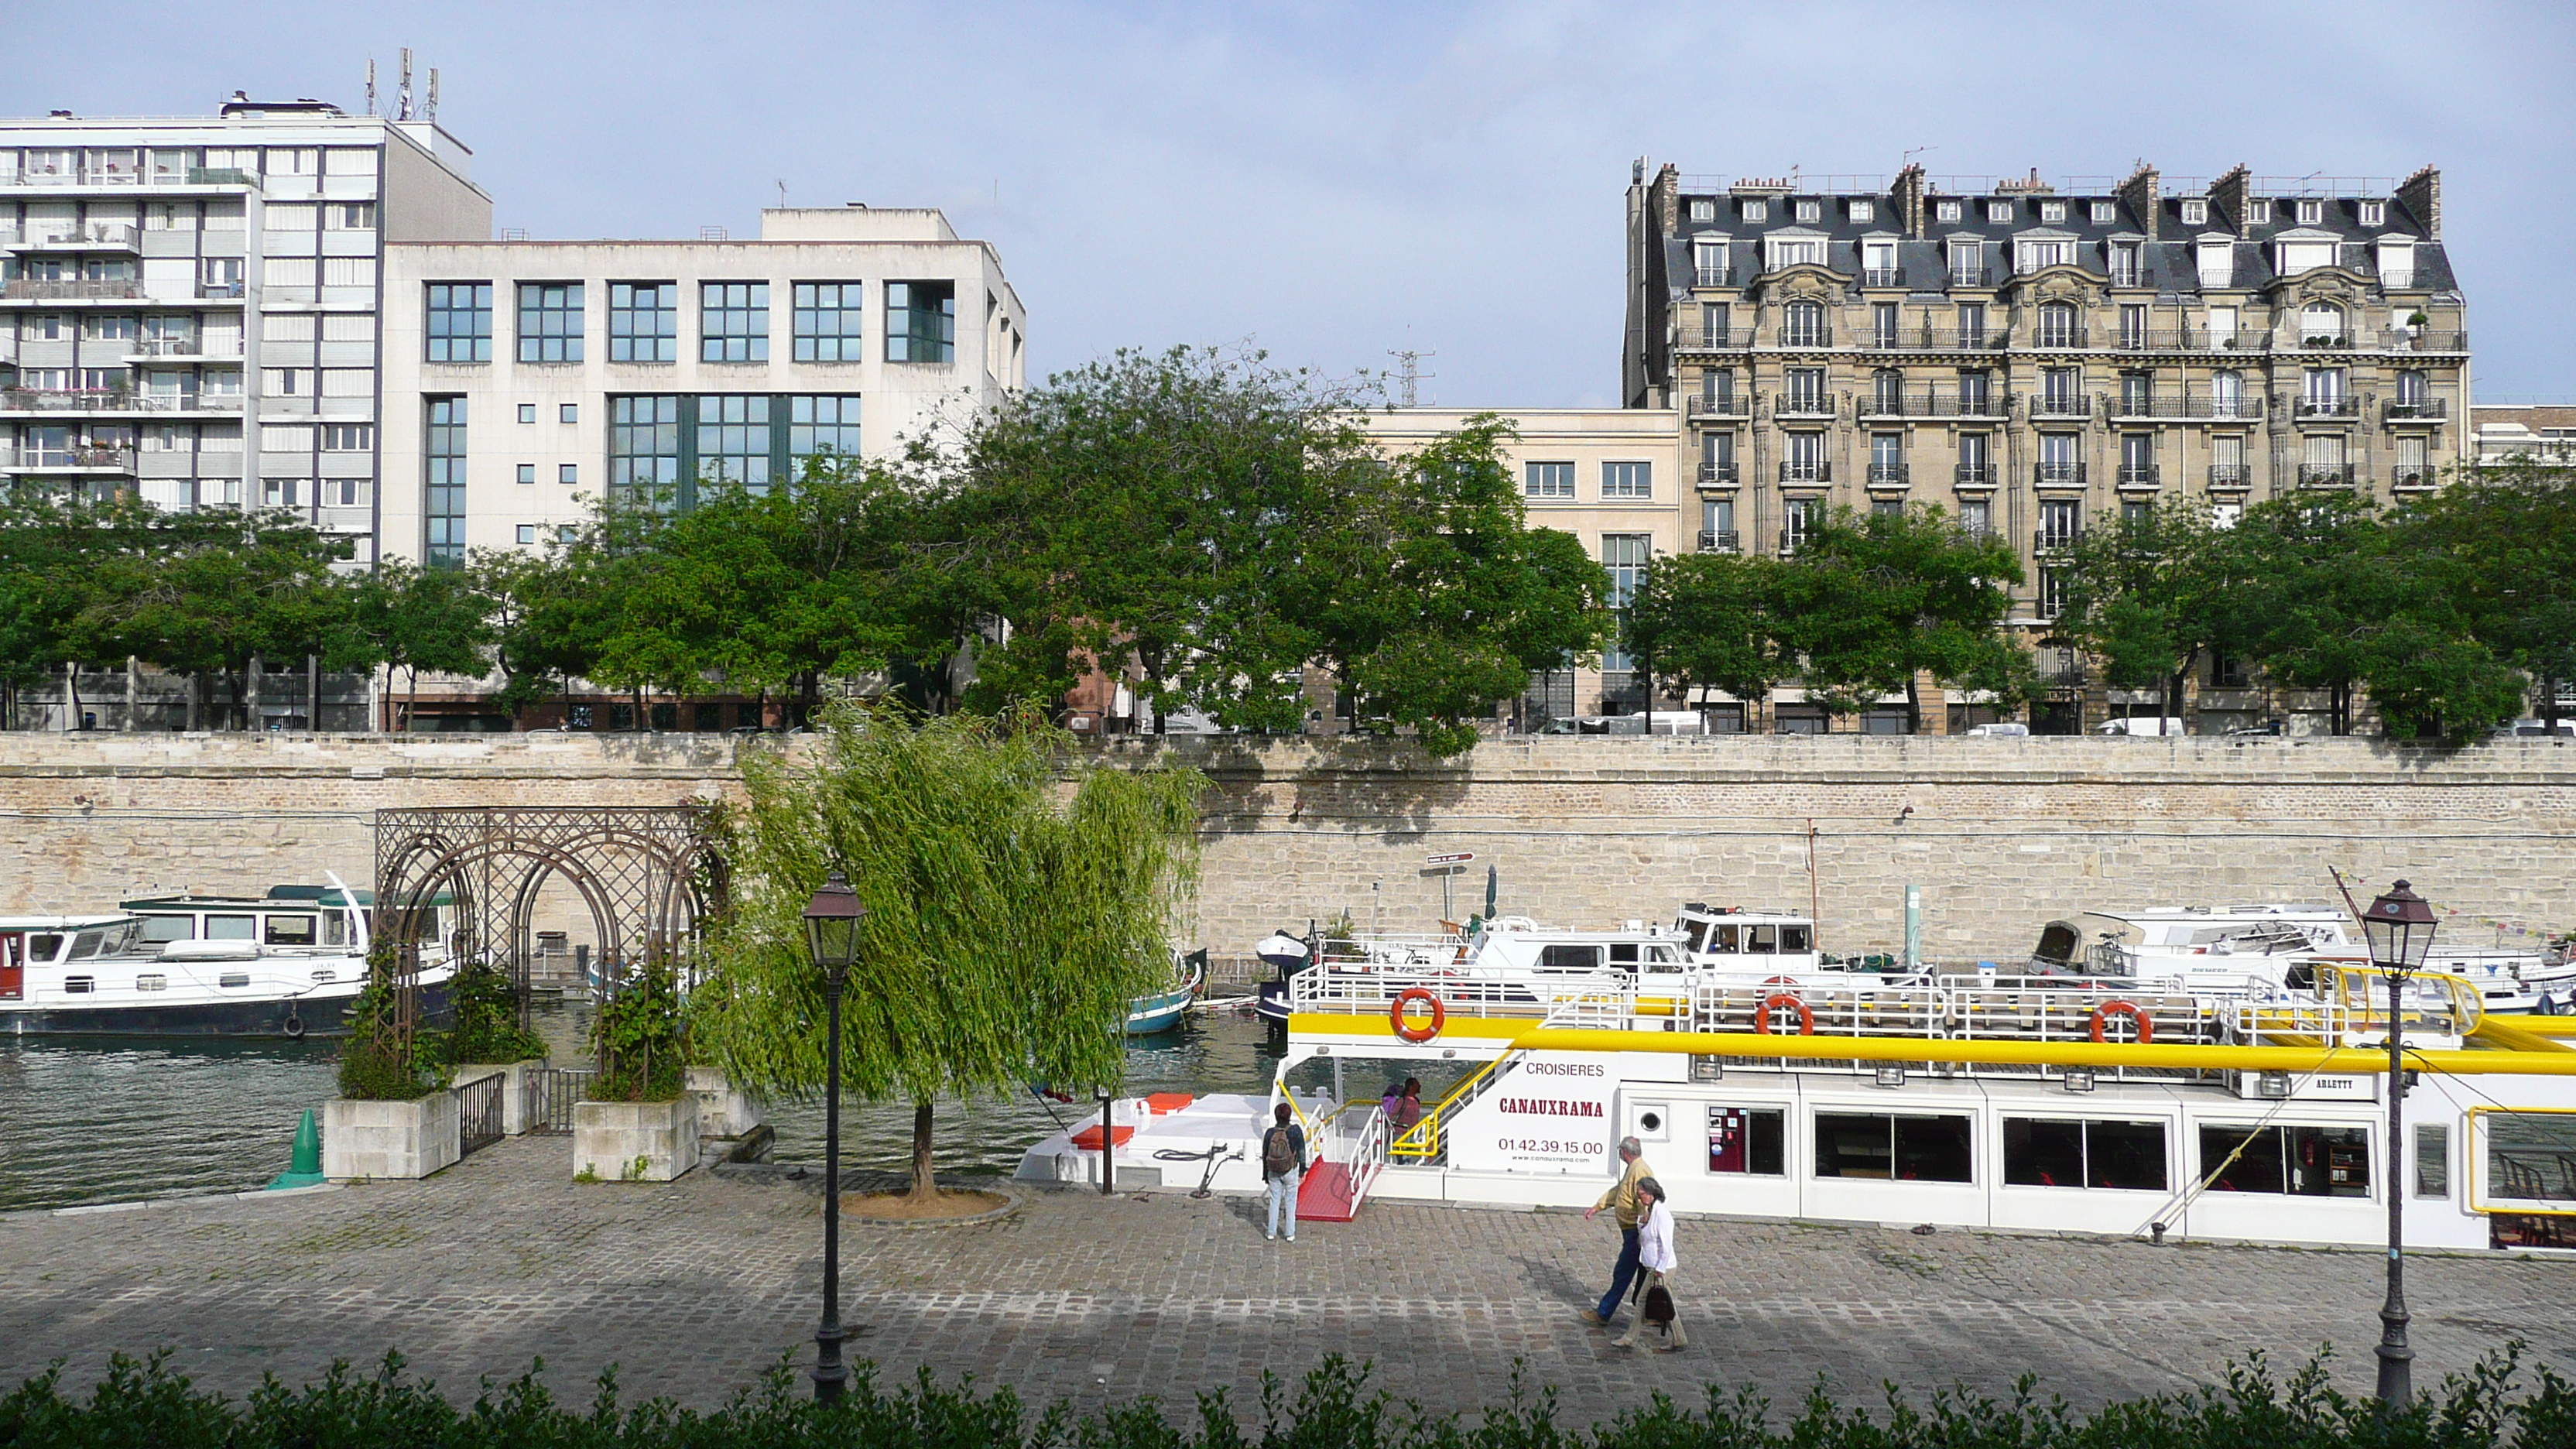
923	1184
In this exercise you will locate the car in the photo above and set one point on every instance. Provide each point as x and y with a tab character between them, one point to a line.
2142	725
2533	729
2245	732
2007	731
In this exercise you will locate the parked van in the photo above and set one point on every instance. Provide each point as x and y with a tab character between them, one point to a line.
2142	725
2012	731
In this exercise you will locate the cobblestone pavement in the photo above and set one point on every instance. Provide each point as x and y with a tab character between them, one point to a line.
693	1287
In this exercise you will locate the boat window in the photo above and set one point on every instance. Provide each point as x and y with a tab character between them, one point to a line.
1624	953
2119	1155
2302	1161
1562	957
1907	1149
1697	933
232	928
291	930
2432	1159
2057	942
233	978
153	982
1748	1140
43	948
1762	940
326	976
80	985
1662	958
86	944
1797	940
160	931
335	929
2531	1156
1725	940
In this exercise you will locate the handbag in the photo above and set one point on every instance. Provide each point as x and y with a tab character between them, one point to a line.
1658	1306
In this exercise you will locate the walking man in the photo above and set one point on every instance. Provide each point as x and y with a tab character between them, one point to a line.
1655	1304
1621	1199
1283	1162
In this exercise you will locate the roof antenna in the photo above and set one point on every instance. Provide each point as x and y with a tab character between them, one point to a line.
782	193
371	85
1409	374
402	97
430	111
1917	151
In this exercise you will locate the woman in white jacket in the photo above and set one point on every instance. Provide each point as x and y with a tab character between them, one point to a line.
1655	1257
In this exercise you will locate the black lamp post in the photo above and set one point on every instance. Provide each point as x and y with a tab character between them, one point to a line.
2399	926
832	934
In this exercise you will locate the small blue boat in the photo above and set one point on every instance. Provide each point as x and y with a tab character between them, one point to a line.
1163	1011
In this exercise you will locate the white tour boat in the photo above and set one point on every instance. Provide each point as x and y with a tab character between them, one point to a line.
2263	948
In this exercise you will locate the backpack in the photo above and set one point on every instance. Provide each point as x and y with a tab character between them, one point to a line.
1278	1154
1658	1307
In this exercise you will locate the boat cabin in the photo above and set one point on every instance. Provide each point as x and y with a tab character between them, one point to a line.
49	942
289	920
1731	939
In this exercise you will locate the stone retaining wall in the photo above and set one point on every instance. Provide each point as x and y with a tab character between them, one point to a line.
2003	833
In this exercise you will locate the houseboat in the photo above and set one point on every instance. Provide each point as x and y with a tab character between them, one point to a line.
2261	948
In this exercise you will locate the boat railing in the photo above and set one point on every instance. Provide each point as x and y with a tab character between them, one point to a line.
1341	990
1431	948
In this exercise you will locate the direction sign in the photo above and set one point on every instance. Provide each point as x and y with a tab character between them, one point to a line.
1461	858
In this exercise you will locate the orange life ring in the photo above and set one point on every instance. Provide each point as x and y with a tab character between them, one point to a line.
2102	1016
1762	1013
1396	1014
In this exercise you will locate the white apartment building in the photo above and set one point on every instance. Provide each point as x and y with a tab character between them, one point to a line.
525	379
189	306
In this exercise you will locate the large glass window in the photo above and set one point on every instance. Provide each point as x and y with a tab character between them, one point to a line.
2531	1156
2432	1159
550	321
644	443
733	321
643	321
733	440
820	425
1627	480
827	320
444	478
2120	1155
1906	1149
1548	480
1626	556
921	322
460	322
2299	1161
1748	1140
1802	324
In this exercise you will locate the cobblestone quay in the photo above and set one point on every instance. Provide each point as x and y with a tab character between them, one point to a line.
693	1287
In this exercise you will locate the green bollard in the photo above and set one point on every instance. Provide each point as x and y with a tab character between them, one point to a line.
305	1169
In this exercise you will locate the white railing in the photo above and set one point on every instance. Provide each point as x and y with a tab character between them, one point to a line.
117	236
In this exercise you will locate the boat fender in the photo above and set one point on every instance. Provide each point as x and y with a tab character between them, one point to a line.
2146	1030
1777	1000
1404	1026
294	1027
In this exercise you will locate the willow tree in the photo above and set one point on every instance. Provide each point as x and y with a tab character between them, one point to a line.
1018	898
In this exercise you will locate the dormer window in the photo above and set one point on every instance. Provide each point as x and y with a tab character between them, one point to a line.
1999	211
2258	213
1757	211
1797	252
2294	257
2052	212
2311	212
1810	211
1864	211
2216	263
2374	213
1703	211
2124	264
2032	255
2396	263
2105	213
2195	211
1945	211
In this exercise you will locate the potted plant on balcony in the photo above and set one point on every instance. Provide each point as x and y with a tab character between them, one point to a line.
394	1117
639	1123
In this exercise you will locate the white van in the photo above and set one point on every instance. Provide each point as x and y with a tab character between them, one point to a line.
2142	725
2010	731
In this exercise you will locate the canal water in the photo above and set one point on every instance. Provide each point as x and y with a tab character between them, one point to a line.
113	1121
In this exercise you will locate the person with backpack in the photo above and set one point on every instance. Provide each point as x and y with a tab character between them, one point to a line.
1621	1199
1655	1306
1283	1162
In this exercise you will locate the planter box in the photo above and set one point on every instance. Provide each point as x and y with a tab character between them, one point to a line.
389	1139
635	1141
722	1110
514	1089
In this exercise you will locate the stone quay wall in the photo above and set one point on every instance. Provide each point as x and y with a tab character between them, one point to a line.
2002	834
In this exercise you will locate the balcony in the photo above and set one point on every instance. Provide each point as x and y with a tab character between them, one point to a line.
1973	475
1712	339
219	291
2057	475
1717	475
1719	541
114	400
2325	475
1940	405
1804	405
2059	339
2198	406
1794	539
1882	276
1792	336
2411	476
1886	475
2236	342
2417	410
1725	405
120	176
2152	339
2329	408
1971	277
2230	475
153	349
68	460
1819	471
2139	475
1930	339
2061	405
2057	540
2403	340
85	289
97	236
1712	277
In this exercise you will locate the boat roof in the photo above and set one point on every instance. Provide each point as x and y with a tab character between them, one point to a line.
1697	910
2252	912
279	898
62	923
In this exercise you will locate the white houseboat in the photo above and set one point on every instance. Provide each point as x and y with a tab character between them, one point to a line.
2261	948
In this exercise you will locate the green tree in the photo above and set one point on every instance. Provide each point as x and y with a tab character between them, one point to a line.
1877	602
2153	597
50	546
2503	540
1714	621
1017	900
410	618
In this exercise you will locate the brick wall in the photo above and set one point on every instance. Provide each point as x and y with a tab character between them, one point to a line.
2004	833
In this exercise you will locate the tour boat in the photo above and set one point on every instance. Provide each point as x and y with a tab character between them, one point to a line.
2262	948
287	964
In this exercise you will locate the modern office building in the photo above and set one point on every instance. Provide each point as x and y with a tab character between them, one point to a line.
527	379
2032	356
189	306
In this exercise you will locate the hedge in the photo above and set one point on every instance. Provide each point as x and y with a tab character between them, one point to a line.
144	1403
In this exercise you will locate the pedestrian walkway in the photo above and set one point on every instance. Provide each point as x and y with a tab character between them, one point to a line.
693	1287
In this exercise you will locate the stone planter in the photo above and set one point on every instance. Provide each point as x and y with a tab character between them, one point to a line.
635	1141
514	1089
389	1139
723	1111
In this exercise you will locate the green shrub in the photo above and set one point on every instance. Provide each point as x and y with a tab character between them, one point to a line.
487	1026
376	1063
636	1037
146	1403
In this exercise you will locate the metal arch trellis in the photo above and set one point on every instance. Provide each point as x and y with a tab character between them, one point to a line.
647	874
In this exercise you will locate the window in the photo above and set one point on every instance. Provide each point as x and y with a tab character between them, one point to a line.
1751	1141
1797	252
444	510
2432	1159
1803	459
1864	211
549	322
527	533
280	492
287	327
821	425
2137	392
2195	212
2124	264
2138	455
2057	459
827	316
2052	592
2057	325
231	980
1878	264
108	327
460	321
2060	389
1976	517
79	985
1627	480
348	271
286	381
2052	213
1972	324
2294	257
733	440
1945	211
2321	325
568	413
2115	1155
733	321
643	322
1976	393
293	930
2105	213
527	412
1976	453
1626	556
1757	210
349	216
348	437
153	981
1548	480
2215	262
1806	390
2322	389
2396	263
348	382
2258	213
2374	213
644	442
2528	1156
1810	211
568	474
1802	324
2227	394
1999	211
1708	264
344	492
1703	210
1886	458
2298	1161
2311	212
1883	324
921	322
1905	1149
2036	253
2133	326
1887	392
528	473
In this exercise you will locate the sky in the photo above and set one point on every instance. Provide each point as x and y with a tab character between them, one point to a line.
1333	183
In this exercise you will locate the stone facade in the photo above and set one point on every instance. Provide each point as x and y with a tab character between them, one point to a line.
2005	833
374	1140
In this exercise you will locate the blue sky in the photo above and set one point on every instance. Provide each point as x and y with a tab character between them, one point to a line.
1334	181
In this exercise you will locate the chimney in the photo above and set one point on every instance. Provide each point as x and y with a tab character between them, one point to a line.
1668	196
2144	198
1906	196
2422	198
2229	193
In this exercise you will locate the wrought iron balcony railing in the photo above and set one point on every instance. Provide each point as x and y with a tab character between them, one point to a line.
1718	541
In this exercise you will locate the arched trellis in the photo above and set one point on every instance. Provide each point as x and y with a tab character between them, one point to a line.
647	874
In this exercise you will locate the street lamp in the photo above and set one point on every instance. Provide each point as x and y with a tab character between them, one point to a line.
2399	927
832	936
